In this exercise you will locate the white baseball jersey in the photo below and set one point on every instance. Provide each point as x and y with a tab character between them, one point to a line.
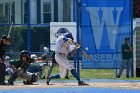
61	46
61	50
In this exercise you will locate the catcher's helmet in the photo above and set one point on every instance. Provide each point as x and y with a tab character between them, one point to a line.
24	53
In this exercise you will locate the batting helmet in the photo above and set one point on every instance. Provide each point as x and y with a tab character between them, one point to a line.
61	31
69	35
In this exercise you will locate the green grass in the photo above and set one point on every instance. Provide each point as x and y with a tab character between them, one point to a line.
88	73
93	74
97	73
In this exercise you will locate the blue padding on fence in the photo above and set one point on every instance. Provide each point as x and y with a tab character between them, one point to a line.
105	24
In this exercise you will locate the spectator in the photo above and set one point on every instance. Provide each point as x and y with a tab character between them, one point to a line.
126	58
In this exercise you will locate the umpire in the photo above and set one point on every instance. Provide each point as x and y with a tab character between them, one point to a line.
5	41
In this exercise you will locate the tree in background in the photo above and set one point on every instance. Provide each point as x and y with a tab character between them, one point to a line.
40	37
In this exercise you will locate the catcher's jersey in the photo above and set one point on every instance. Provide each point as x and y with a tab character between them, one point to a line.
61	46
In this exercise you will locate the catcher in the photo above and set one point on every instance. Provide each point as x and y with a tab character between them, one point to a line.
20	67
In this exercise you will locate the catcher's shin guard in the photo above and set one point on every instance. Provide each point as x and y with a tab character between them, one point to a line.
34	78
27	82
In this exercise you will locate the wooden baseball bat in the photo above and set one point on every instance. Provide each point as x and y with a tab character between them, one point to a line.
78	47
10	29
85	54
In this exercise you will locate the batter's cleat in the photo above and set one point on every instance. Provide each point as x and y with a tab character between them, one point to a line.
27	83
82	83
47	80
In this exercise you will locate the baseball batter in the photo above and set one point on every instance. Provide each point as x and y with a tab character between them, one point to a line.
62	49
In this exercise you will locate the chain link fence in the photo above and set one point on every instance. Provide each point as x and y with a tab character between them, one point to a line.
31	27
31	19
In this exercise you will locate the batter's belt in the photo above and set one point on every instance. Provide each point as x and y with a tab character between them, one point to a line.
61	54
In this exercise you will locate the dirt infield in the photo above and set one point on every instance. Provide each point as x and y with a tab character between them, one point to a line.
117	85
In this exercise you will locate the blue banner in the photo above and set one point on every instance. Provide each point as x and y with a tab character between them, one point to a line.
105	24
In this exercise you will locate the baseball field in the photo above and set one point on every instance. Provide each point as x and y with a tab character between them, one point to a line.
70	86
100	81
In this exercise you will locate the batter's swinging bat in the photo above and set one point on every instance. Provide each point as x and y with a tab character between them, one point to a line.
10	29
86	55
78	47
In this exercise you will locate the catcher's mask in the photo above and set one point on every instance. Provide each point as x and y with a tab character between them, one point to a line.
24	53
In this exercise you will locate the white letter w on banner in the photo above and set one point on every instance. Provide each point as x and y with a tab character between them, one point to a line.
108	16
